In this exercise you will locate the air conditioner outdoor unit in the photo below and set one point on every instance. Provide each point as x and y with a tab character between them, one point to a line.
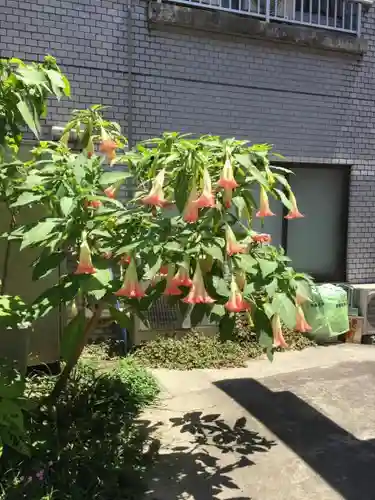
364	299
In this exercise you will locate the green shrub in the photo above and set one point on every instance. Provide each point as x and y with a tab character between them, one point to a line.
199	351
91	445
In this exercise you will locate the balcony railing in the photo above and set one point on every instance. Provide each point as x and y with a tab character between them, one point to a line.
337	15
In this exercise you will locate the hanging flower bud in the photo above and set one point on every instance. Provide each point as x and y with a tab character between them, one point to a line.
241	279
227	197
125	259
206	199
232	245
111	191
108	147
171	288
191	211
156	194
264	207
236	302
92	203
198	293
294	213
131	287
85	263
301	323
261	238
278	337
227	180
182	277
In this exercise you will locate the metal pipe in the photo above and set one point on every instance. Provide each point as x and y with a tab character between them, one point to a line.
130	73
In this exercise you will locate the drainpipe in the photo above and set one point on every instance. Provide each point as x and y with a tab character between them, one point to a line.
130	73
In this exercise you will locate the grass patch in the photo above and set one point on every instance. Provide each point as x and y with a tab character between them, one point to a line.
91	446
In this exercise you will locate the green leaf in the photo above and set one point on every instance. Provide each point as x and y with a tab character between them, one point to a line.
265	339
267	267
220	286
272	287
240	203
39	232
154	269
29	117
217	312
112	177
226	327
268	309
197	314
46	264
57	82
269	353
284	199
66	204
245	161
173	246
97	284
246	263
72	336
282	305
26	198
11	415
181	191
214	251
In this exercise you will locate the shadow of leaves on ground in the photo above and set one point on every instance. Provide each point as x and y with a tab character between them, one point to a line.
200	468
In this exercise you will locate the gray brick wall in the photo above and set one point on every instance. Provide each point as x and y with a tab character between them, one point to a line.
314	106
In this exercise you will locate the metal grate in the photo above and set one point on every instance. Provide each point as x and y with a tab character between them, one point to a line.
337	15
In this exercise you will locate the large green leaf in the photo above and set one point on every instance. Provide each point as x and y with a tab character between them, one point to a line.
72	336
29	117
123	318
11	415
46	264
214	251
12	384
57	82
181	191
39	232
285	201
246	262
256	174
267	266
66	204
220	286
282	305
113	177
27	198
217	312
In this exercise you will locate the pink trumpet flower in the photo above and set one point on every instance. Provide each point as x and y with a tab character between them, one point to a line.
191	211
264	207
232	246
236	302
227	180
182	277
85	263
156	194
198	293
294	213
207	198
171	288
261	238
131	287
301	323
278	337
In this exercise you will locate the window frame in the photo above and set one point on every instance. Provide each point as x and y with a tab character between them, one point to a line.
340	274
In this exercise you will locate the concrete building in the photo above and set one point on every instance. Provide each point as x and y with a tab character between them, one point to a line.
299	74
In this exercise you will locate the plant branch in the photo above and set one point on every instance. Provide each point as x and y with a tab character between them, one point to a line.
71	363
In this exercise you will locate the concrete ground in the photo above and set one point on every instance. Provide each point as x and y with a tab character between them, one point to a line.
301	428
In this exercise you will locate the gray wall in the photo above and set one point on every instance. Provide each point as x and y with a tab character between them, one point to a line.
314	106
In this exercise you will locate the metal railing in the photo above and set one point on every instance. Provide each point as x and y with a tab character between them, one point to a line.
337	15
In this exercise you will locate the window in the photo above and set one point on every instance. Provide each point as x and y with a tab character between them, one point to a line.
317	243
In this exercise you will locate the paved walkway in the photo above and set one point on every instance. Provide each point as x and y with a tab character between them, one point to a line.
301	428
